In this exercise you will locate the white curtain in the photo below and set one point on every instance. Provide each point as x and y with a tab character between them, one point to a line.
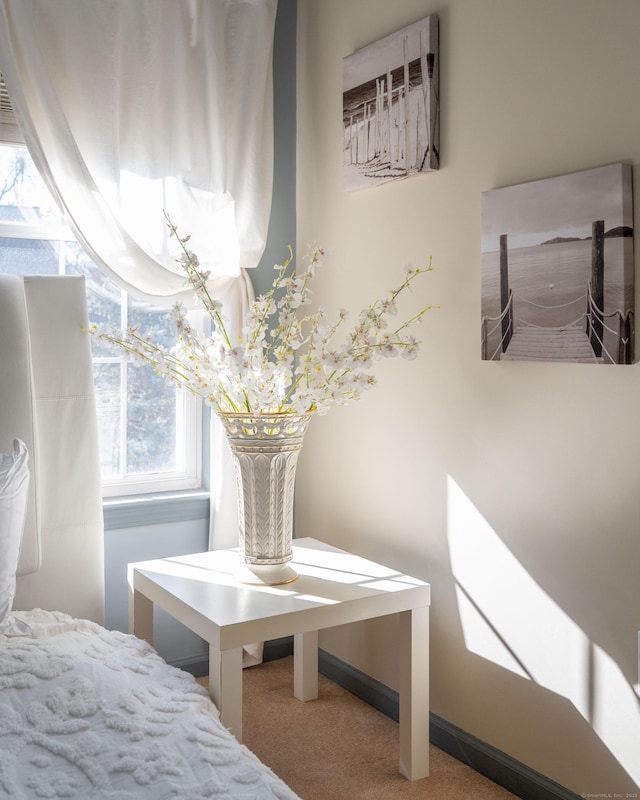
133	107
129	108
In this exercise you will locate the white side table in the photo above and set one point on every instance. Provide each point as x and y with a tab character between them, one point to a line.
333	588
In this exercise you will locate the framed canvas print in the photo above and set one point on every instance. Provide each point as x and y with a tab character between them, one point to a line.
558	269
390	103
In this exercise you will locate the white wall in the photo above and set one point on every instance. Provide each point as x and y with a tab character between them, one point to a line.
511	487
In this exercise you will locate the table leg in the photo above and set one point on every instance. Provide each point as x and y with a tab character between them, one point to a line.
140	615
305	665
414	693
225	686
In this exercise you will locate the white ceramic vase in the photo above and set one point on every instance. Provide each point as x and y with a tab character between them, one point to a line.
265	450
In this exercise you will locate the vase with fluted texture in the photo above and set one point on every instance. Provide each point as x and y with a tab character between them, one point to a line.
265	449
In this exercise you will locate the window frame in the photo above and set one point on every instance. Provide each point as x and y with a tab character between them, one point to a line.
190	410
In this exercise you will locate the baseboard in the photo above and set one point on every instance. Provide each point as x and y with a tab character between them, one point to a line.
363	686
499	767
278	648
198	666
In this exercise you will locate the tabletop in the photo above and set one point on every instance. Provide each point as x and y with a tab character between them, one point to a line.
333	587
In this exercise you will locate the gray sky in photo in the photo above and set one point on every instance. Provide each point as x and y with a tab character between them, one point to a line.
388	53
534	212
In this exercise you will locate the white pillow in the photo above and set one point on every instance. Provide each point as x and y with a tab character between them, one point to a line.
14	486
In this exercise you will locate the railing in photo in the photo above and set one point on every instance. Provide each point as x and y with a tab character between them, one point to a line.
594	335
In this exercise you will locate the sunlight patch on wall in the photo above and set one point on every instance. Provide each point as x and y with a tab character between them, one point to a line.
513	607
481	638
509	619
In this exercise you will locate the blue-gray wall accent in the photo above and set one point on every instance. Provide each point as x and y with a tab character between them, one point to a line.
282	224
155	509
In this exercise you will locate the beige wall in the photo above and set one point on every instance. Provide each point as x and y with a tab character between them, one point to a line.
513	488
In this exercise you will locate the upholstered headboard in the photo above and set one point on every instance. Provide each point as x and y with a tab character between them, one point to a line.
17	413
47	400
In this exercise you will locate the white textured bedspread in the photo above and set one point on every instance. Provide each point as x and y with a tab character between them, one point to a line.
89	713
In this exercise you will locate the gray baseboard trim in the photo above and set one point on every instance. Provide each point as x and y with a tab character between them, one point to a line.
499	767
278	648
362	685
198	666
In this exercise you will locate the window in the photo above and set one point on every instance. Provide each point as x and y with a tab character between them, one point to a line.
149	431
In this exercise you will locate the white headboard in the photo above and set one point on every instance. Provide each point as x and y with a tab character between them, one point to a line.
47	400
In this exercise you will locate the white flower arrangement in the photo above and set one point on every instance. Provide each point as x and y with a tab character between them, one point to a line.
282	362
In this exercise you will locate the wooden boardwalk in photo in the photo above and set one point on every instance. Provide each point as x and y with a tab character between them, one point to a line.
530	343
596	336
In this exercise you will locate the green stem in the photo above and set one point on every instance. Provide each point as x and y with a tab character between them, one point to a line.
209	303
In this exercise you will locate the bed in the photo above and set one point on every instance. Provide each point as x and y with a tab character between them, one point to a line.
91	713
85	712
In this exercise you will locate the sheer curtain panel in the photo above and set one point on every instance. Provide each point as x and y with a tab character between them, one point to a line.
130	108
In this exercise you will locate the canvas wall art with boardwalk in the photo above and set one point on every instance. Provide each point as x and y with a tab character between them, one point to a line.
558	269
390	105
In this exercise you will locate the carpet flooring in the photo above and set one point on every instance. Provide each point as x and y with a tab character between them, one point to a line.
340	748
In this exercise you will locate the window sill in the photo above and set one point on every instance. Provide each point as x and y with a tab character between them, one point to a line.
154	509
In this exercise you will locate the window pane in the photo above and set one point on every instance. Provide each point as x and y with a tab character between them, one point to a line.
29	256
104	298
151	429
23	196
107	385
154	321
151	424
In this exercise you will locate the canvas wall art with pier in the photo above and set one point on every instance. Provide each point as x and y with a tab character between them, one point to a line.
558	269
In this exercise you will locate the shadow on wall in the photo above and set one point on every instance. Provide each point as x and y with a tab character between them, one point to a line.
507	618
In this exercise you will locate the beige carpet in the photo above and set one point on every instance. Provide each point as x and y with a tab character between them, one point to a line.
340	748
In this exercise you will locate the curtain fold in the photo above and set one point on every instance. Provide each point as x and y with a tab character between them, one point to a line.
131	108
